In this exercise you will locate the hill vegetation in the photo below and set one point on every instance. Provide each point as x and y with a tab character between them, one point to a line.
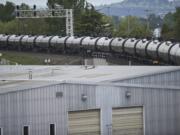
139	7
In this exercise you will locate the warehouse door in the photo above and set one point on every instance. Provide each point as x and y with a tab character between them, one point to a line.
84	123
127	121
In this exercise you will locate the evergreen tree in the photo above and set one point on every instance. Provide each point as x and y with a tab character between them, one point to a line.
7	12
177	24
132	27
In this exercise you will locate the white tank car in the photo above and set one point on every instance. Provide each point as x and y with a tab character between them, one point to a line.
152	49
117	45
103	44
18	39
58	43
30	41
85	42
54	43
42	42
141	47
1	35
178	57
11	40
76	44
14	41
69	41
38	40
163	51
89	43
2	41
24	42
129	46
175	54
71	45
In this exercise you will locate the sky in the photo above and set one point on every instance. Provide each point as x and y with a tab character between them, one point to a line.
102	2
43	2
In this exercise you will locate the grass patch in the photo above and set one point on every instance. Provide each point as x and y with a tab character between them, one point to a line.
21	58
32	58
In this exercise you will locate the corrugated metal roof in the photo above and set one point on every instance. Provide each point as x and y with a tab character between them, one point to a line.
79	73
13	78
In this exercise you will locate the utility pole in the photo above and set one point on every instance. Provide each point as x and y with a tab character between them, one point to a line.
148	25
128	28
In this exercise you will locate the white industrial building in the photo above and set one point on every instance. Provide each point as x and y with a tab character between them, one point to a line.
74	100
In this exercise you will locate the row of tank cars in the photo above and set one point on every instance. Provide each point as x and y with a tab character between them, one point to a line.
165	51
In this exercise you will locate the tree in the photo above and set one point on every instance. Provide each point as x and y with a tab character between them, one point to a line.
177	23
9	27
169	20
132	27
74	4
167	32
171	26
24	6
87	21
7	12
93	23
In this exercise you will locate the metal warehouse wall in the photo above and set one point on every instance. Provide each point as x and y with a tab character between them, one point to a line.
170	78
41	106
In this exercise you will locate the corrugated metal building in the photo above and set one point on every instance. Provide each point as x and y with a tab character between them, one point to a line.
132	104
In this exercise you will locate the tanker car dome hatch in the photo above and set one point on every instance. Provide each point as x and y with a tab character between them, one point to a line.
155	41
119	39
168	43
133	39
144	40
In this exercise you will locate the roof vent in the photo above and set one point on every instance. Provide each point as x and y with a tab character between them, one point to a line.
30	74
89	64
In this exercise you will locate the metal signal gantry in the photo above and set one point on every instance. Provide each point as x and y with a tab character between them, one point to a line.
56	12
